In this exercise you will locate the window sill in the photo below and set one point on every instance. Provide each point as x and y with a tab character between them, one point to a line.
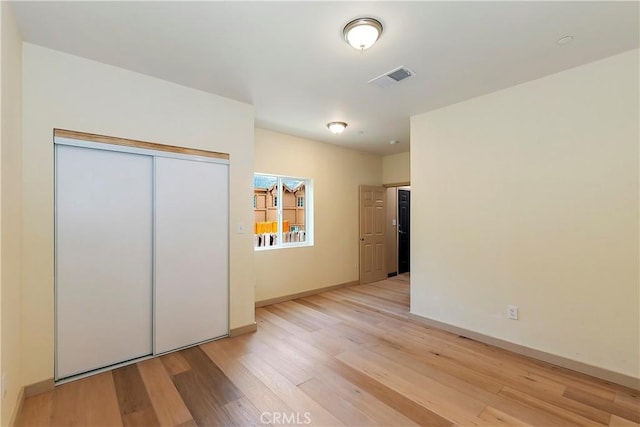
288	246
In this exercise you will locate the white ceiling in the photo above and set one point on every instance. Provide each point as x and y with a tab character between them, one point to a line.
289	60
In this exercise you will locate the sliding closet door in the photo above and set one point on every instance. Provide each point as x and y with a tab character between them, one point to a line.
104	232
191	252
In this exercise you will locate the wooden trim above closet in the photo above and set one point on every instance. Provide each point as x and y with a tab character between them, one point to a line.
62	133
397	184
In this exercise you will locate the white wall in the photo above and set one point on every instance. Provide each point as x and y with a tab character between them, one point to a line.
68	92
336	173
396	168
529	196
11	208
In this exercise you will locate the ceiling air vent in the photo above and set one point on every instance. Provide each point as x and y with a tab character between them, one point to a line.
391	77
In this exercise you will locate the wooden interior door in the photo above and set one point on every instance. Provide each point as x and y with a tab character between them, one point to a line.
372	233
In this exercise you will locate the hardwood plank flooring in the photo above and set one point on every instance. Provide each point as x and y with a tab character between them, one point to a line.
101	403
133	397
198	396
351	356
38	411
165	398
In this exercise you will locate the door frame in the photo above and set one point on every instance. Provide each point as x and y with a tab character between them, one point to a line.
395	186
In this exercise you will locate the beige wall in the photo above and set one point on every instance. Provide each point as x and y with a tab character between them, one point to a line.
336	173
529	196
11	208
64	91
396	168
392	230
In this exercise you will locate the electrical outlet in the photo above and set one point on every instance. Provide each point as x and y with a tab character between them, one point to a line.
512	312
4	385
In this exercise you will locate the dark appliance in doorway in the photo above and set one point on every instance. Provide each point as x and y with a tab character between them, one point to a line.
404	210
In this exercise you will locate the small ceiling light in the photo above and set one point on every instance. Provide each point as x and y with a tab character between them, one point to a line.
337	127
362	33
394	142
565	40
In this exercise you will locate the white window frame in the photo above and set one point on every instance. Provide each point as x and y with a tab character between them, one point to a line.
308	212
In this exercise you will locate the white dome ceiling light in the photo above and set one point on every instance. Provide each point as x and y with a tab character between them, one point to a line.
362	33
337	127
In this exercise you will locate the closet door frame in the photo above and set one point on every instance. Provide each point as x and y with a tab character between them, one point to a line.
153	150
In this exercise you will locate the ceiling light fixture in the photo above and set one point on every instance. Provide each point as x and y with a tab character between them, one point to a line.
394	142
337	127
362	33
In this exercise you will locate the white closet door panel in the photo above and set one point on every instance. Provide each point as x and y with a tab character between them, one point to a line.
191	253
104	232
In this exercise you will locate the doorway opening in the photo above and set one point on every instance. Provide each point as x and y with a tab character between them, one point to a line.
398	215
404	211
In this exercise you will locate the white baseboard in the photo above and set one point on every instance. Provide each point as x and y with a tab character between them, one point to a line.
284	298
574	365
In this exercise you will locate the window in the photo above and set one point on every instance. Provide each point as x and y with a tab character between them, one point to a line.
282	218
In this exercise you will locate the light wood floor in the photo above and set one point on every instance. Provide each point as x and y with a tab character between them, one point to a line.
345	357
